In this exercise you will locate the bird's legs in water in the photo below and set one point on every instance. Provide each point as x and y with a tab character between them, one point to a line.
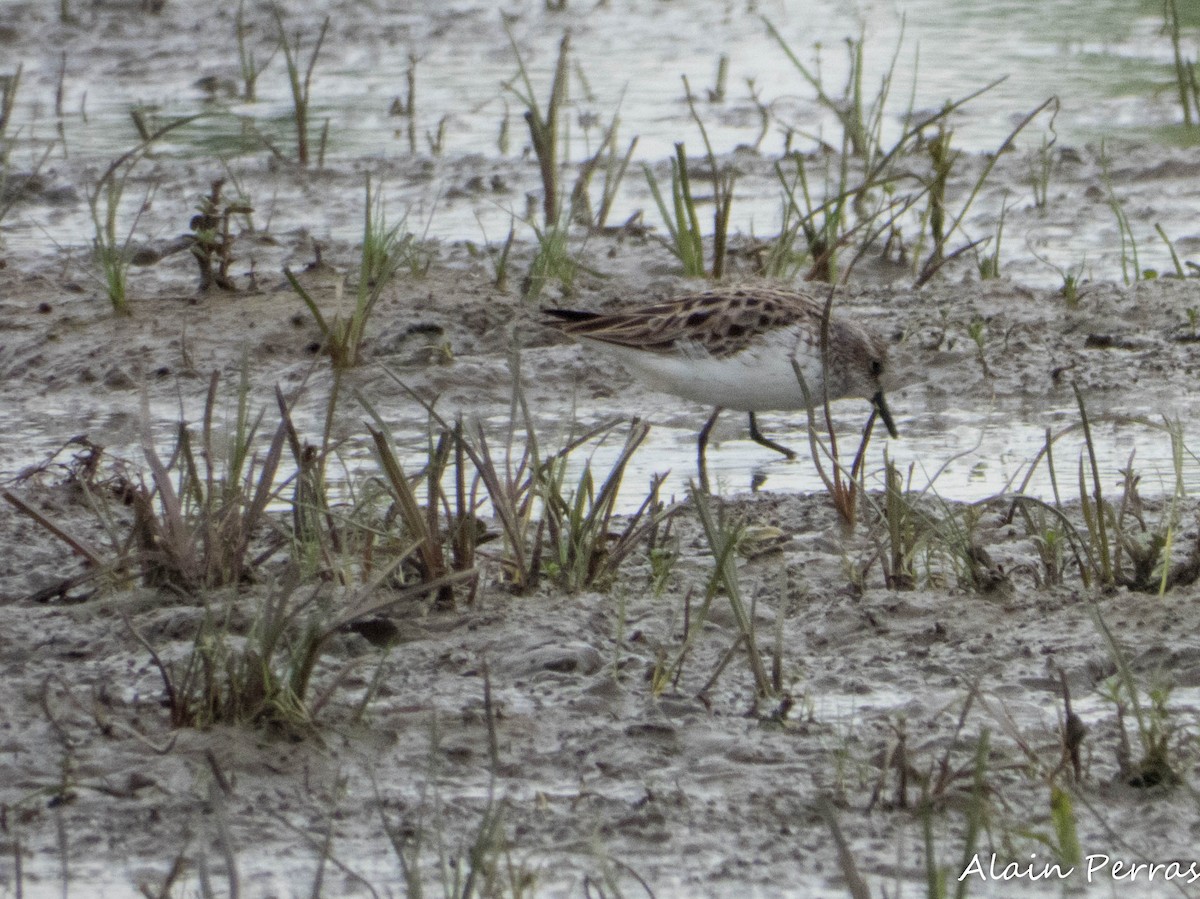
757	436
702	444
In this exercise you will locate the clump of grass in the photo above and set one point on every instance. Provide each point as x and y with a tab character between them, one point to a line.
861	123
9	87
903	532
723	178
1131	269
1152	720
110	250
1072	279
264	674
1115	543
977	330
613	166
908	526
682	223
229	680
584	550
1070	289
551	262
723	538
723	535
301	84
779	258
354	541
544	127
547	131
199	520
196	519
989	266
249	65
422	527
500	259
110	253
940	231
820	224
831	223
509	480
1041	167
386	249
1185	69
874	187
1096	513
681	218
379	531
573	528
208	527
572	539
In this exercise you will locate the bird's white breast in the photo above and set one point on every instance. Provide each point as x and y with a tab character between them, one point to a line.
759	378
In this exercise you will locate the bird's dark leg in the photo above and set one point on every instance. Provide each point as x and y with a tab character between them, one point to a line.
702	445
757	436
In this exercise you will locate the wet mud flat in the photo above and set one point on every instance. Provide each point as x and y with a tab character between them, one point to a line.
558	741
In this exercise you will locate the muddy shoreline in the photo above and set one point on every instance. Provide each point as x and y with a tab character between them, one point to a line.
607	738
594	775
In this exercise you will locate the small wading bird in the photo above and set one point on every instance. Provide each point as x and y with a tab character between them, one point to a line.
733	349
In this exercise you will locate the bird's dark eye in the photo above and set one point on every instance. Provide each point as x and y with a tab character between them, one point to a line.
876	368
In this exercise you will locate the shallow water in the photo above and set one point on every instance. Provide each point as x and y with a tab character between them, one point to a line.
959	455
966	454
1107	61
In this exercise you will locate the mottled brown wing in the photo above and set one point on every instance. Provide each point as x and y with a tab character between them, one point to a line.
718	322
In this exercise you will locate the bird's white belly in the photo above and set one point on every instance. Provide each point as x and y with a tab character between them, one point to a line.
749	381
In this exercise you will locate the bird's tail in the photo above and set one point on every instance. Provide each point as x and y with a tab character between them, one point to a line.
562	317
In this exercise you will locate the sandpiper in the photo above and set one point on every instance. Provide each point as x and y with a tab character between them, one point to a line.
732	348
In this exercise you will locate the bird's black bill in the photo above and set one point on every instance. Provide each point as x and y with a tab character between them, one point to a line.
881	406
